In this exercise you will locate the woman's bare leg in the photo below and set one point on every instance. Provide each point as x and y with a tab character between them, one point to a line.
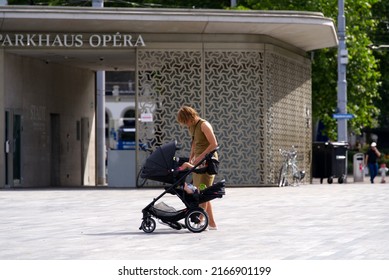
207	206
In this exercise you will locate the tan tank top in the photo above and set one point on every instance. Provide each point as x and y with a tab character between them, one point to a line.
198	137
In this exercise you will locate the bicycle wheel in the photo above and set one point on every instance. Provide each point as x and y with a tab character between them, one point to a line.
296	175
140	182
282	177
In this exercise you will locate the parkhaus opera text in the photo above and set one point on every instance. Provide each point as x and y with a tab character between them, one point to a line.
31	40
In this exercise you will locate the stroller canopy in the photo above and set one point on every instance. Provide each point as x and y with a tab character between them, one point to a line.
160	164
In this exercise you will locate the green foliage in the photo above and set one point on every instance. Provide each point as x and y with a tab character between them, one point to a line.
363	77
380	35
50	2
200	4
362	72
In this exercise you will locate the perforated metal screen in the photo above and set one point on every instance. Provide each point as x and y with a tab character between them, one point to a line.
256	101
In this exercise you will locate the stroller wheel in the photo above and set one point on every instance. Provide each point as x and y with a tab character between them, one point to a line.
196	219
148	225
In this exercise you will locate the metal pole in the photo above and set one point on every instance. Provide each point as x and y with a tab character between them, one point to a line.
100	117
233	3
98	3
342	82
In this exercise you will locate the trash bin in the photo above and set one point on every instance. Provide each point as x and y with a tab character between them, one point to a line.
358	167
320	160
329	160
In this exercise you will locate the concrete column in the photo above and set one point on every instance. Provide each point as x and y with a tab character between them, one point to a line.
100	126
100	111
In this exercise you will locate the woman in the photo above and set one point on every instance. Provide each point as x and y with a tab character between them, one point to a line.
203	142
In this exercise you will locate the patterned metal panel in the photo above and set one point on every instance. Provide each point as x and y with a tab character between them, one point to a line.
289	89
166	81
235	105
256	103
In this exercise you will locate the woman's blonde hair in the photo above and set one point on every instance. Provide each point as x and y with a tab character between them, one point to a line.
186	114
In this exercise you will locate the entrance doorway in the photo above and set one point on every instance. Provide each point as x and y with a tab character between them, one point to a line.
13	171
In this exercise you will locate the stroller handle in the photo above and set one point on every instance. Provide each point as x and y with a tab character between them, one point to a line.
197	169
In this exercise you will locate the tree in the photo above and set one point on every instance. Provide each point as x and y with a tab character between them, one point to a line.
362	71
380	36
200	4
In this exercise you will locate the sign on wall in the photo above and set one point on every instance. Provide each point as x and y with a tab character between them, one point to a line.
70	40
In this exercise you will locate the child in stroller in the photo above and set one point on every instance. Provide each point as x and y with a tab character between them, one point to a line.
163	166
187	187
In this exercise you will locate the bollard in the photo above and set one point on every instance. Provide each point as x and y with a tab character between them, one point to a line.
358	167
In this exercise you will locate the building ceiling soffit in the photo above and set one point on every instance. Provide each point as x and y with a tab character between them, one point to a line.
306	30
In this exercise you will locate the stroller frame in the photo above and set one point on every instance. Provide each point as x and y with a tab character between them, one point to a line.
195	217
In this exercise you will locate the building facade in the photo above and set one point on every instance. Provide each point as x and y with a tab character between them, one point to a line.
248	73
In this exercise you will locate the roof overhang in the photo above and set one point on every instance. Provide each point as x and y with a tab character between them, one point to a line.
306	31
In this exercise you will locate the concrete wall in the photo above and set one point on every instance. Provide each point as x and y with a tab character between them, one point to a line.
46	96
2	140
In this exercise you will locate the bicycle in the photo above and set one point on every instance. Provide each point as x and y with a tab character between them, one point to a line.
290	163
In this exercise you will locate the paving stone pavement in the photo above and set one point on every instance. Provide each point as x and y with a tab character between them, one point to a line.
309	222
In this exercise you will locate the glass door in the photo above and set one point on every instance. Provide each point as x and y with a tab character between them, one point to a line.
13	171
6	148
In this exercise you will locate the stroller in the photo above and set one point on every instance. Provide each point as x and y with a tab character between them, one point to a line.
162	166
